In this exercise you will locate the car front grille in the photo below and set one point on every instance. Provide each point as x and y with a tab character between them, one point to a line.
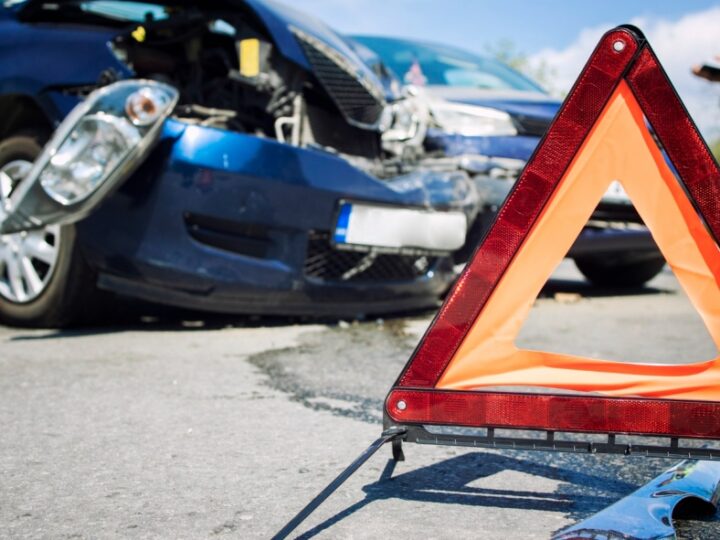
357	100
326	263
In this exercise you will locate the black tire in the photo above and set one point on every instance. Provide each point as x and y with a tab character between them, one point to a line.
613	272
69	295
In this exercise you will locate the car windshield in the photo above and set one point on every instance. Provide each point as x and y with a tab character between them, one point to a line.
423	64
125	11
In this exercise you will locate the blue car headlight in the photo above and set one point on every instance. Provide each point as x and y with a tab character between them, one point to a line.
93	150
471	120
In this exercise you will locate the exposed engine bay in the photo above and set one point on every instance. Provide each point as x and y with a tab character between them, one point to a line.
230	76
301	84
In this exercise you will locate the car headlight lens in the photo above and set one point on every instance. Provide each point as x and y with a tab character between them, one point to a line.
100	143
103	138
472	121
93	149
146	105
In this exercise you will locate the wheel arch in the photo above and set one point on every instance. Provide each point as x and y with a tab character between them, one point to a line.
22	112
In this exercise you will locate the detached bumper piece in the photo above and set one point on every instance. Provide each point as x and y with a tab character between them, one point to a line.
647	513
100	143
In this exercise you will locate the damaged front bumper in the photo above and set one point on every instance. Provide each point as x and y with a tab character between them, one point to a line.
223	221
233	223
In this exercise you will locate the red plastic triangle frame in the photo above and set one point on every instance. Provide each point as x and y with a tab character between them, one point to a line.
623	57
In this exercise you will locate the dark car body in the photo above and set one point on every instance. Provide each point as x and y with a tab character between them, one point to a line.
530	107
532	113
221	219
615	239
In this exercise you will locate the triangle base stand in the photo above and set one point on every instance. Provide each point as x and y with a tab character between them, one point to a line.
491	438
552	441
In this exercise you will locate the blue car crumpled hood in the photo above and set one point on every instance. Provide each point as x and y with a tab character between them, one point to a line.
289	27
280	20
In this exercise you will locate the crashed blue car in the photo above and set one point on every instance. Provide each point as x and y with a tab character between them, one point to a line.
484	111
230	156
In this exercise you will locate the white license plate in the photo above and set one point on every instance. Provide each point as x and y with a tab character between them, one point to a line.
383	227
616	193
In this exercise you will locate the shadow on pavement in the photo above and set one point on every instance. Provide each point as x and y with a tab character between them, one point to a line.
129	315
585	289
449	482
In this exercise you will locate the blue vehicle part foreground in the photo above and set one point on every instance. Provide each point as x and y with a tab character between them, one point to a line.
647	513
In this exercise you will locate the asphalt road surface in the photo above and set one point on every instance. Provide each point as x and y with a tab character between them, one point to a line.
192	427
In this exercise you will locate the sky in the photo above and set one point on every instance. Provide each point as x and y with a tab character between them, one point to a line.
559	34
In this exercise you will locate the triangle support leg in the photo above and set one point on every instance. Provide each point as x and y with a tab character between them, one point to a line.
392	435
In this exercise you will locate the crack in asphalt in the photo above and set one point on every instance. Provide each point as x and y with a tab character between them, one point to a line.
342	404
294	370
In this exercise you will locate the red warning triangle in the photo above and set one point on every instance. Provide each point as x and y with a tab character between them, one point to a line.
605	131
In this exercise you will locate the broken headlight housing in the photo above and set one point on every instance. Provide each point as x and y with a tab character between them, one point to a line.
93	150
471	120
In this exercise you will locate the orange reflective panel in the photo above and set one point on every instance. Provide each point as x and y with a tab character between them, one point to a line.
619	147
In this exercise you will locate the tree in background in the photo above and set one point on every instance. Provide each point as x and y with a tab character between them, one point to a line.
507	52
